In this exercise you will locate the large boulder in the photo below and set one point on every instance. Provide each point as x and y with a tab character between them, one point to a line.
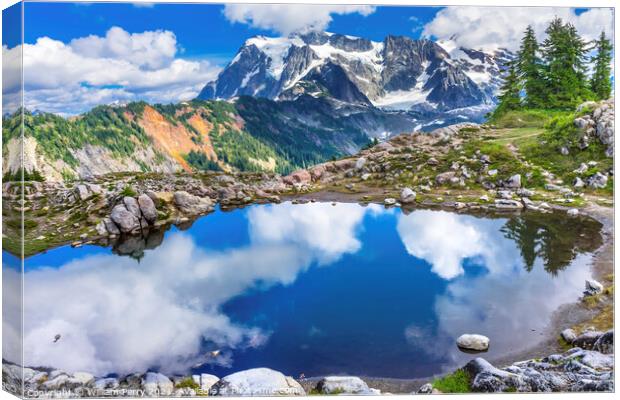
257	382
513	182
487	378
587	339
473	342
205	381
156	384
82	192
302	176
132	206
161	198
125	220
343	385
597	181
445	177
593	287
147	207
407	196
605	343
190	204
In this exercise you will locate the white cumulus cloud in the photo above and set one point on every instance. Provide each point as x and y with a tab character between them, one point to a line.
492	27
289	18
69	78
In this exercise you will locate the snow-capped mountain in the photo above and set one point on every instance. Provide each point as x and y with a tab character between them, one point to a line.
397	74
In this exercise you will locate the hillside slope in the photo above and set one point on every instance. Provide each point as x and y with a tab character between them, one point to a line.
249	135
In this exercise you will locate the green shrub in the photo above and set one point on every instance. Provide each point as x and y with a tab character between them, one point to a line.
457	382
128	192
188	383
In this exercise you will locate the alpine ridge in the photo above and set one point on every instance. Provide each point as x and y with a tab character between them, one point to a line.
397	74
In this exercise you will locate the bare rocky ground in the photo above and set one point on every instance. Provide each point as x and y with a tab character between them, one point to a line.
444	169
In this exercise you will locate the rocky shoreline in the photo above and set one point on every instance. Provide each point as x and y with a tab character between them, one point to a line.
586	367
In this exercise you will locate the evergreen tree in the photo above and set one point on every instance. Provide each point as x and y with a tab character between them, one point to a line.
600	84
564	52
510	97
529	69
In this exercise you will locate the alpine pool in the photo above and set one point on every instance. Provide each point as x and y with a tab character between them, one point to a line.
313	289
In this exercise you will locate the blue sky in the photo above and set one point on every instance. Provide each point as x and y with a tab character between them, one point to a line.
79	55
201	29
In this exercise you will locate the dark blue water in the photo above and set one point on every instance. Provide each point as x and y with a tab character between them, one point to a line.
314	289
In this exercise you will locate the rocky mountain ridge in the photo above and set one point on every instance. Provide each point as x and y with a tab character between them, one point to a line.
398	73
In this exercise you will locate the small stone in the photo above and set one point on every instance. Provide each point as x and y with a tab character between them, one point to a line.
427	388
492	172
389	201
573	212
514	181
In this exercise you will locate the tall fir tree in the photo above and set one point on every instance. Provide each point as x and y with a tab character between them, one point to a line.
510	92
600	84
529	69
564	52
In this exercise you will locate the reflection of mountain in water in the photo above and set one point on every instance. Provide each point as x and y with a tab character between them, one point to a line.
556	240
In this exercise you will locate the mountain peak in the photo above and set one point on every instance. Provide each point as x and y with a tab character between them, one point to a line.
384	73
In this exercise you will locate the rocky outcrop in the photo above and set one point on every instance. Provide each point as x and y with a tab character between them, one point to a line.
597	124
587	367
191	204
576	370
257	382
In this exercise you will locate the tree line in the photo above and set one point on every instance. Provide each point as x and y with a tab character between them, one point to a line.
554	74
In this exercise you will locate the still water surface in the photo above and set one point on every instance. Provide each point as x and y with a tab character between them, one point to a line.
314	289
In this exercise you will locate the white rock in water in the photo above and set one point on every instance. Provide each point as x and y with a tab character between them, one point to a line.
342	385
475	342
257	382
155	383
407	195
389	201
573	212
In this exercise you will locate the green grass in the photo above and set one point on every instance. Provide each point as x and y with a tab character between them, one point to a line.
523	118
457	382
188	383
128	191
